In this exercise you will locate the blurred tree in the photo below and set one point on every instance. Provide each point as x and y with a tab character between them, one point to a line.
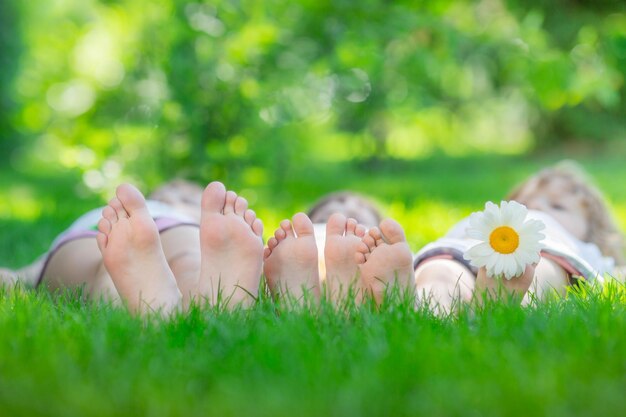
10	46
251	89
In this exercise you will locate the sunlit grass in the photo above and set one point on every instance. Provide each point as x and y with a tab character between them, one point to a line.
62	357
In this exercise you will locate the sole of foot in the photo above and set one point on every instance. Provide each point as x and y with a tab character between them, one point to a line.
133	256
231	247
291	267
343	238
385	260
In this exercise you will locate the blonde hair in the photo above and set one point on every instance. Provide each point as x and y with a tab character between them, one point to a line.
602	228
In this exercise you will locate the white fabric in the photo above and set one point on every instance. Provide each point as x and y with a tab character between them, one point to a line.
157	209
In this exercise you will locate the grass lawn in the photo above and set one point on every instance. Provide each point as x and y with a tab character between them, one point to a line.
61	357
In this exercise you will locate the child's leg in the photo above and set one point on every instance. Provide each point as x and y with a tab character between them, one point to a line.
443	283
28	275
549	278
181	245
8	277
291	265
78	263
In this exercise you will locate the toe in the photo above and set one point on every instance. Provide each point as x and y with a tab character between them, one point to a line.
272	243
336	225
302	225
104	226
392	231
229	206
363	248
369	241
214	197
280	233
360	230
285	226
249	216
257	227
376	235
241	205
116	204
131	198
266	253
359	258
101	239
109	213
351	226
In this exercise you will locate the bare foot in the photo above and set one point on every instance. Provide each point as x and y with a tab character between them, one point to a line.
291	259
343	237
231	244
498	287
132	254
385	259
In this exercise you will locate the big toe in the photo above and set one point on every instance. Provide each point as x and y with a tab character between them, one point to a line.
302	225
336	225
214	197
131	198
392	231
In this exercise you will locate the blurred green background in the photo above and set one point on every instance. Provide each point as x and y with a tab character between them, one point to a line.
433	106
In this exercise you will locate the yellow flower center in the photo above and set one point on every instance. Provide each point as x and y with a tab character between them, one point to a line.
504	240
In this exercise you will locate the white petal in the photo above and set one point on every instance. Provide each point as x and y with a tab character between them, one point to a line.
479	261
532	226
505	213
508	266
481	250
517	214
517	268
492	261
475	233
527	258
476	219
498	267
492	214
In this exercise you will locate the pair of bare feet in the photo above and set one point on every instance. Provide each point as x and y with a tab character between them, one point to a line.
357	261
230	244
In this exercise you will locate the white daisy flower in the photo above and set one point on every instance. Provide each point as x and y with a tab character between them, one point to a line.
508	240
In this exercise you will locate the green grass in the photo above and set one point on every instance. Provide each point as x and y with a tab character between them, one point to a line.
58	357
61	357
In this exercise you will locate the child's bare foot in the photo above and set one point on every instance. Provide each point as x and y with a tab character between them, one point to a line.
385	259
498	287
132	254
231	244
343	237
291	259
